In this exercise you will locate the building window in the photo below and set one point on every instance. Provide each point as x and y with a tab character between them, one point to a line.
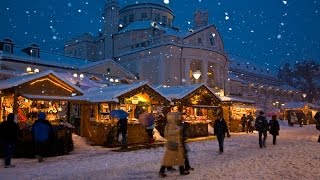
125	20
7	48
131	17
157	17
212	39
34	53
80	52
164	19
199	40
144	15
169	22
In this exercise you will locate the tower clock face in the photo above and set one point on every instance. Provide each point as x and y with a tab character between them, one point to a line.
212	36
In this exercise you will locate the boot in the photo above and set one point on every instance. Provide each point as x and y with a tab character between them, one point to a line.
161	172
182	171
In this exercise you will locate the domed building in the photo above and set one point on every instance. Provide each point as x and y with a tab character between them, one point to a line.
141	37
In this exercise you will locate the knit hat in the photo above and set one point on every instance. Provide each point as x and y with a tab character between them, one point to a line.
42	116
261	112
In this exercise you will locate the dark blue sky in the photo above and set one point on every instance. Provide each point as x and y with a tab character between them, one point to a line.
272	31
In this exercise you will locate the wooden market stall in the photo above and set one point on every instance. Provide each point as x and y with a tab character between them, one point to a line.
199	105
96	124
29	94
234	108
303	110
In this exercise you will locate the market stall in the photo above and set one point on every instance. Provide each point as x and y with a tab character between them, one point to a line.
303	110
234	108
198	103
96	123
29	94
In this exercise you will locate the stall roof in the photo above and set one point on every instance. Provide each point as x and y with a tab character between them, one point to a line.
25	78
299	105
179	92
111	93
236	99
40	97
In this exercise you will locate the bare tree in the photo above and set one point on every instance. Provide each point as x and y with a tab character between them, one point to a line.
304	76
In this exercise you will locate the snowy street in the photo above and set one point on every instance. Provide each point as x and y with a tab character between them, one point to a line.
296	156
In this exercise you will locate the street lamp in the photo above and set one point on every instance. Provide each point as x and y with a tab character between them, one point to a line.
304	95
81	76
196	74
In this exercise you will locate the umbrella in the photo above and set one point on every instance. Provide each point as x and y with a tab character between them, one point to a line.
146	119
121	114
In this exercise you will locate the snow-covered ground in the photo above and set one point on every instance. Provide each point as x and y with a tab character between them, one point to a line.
296	156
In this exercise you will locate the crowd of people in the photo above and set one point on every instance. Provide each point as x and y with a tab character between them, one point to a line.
176	151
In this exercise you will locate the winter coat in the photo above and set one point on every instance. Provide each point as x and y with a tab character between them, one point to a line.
9	132
122	125
261	124
42	131
274	127
174	153
220	127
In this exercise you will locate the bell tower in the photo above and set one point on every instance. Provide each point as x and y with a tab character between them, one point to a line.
111	19
200	19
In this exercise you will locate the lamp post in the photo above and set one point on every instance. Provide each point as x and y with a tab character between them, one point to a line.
81	76
196	74
304	95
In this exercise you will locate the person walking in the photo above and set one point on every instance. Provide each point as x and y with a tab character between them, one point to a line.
187	166
250	120
317	120
9	135
174	153
244	122
122	129
274	128
220	130
42	134
261	126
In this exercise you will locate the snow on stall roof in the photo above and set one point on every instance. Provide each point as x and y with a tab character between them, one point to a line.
299	105
47	58
179	92
16	81
132	2
84	83
235	99
111	93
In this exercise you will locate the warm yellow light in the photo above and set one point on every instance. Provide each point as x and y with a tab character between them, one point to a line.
47	79
28	69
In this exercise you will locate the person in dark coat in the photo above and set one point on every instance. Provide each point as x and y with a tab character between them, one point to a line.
250	120
9	135
317	120
122	129
187	166
274	128
243	122
42	134
261	126
220	130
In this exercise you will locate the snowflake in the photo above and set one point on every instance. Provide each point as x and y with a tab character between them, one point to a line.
166	1
69	4
54	37
230	29
79	10
227	17
285	2
279	36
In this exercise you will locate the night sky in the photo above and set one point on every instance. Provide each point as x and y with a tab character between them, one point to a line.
266	31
